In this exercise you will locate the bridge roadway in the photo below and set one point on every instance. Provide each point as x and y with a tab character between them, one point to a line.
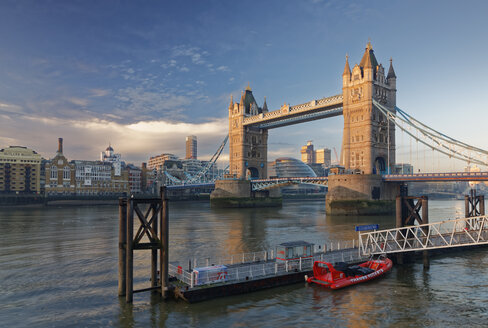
288	115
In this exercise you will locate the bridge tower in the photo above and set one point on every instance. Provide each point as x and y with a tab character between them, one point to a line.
248	146
368	141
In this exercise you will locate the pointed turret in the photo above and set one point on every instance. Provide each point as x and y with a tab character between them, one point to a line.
369	59
231	105
243	97
347	69
265	106
391	71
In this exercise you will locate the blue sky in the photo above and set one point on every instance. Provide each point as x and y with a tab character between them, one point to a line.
143	75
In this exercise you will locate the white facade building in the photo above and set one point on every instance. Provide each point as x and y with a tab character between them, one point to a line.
109	156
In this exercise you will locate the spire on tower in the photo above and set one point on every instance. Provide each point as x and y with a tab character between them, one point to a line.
243	97
391	71
231	105
369	59
265	106
347	69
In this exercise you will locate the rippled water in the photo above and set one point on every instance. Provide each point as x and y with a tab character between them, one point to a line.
58	268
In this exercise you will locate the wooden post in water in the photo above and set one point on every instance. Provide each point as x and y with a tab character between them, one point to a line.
164	244
399	222
466	206
122	244
154	252
482	205
425	220
130	252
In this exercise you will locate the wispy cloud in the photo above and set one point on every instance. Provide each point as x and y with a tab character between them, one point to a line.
99	92
78	101
223	68
10	108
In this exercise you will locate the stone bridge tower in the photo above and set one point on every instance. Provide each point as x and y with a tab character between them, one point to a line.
366	130
248	146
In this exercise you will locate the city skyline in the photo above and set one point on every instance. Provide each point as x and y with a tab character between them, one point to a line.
143	77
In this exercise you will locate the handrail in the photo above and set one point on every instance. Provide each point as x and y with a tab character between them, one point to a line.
444	234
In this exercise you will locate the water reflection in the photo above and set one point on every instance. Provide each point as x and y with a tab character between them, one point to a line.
58	267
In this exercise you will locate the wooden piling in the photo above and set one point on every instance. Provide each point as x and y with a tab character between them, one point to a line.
399	222
425	220
122	245
165	243
466	206
482	205
154	253
130	252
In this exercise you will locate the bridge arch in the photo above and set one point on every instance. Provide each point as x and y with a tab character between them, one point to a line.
252	173
379	165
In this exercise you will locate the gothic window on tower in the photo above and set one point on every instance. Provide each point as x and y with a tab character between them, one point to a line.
352	159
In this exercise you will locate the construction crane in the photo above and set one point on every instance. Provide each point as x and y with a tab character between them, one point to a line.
337	158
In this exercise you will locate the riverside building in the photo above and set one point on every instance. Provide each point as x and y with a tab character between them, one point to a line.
20	170
60	174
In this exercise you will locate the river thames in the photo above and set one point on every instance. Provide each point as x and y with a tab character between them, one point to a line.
58	268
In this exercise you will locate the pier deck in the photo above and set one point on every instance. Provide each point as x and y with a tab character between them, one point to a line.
244	277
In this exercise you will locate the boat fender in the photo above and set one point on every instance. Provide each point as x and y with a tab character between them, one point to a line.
306	278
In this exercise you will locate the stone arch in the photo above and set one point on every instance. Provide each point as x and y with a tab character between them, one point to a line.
252	173
379	165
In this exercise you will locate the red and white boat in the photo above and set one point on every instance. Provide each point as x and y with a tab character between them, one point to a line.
341	275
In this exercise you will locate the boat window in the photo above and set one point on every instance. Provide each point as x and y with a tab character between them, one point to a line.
299	251
289	254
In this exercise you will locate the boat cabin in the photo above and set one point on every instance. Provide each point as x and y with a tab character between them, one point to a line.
293	250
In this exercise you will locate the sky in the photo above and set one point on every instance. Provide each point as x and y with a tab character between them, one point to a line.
143	75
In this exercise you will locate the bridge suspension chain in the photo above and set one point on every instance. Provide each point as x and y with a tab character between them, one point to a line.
210	163
434	139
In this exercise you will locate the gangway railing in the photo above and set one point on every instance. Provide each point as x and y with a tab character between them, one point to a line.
445	234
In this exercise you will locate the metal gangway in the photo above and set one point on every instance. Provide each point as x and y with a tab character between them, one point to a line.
470	231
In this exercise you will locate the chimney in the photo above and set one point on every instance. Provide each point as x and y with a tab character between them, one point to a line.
60	145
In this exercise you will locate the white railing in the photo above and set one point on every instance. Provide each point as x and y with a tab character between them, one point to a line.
445	234
251	270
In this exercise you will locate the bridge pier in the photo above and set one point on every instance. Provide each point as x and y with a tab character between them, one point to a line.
408	210
360	194
238	193
474	205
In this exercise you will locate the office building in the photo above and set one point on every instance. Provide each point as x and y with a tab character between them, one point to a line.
191	147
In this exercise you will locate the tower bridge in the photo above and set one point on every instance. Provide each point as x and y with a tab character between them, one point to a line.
369	137
371	117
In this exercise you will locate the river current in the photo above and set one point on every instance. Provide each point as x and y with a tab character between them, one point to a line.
58	268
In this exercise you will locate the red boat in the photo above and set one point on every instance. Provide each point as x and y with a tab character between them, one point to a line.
342	275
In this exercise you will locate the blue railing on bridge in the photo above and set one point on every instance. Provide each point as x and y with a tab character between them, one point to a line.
449	176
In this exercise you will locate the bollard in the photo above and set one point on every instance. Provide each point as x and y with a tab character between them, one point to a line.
122	245
164	244
129	252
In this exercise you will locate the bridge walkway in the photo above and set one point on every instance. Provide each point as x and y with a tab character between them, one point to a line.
462	232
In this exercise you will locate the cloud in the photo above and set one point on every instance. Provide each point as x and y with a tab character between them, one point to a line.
10	108
84	139
137	101
223	68
184	69
99	92
78	101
